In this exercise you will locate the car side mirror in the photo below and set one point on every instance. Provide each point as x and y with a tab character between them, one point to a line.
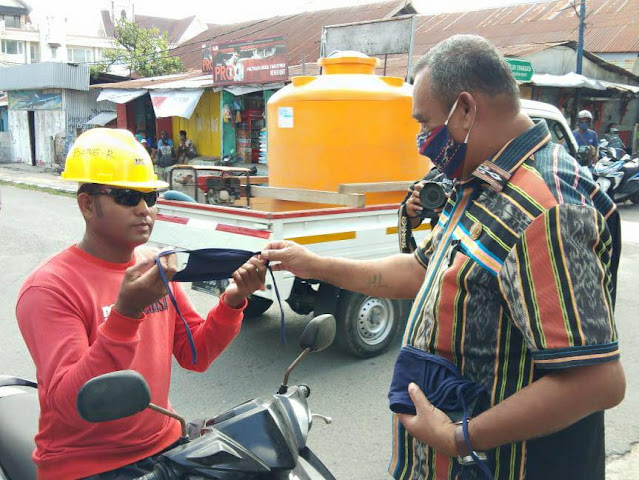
113	396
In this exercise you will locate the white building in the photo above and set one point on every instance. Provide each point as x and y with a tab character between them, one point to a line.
28	38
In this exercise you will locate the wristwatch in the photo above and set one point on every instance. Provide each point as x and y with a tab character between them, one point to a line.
464	454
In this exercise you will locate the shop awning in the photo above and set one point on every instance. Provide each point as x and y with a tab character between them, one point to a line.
574	80
244	89
102	118
118	95
175	103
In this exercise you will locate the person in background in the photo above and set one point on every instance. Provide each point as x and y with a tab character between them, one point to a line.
585	136
186	150
101	306
140	135
613	138
164	155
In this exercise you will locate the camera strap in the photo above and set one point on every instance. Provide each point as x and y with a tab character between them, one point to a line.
405	237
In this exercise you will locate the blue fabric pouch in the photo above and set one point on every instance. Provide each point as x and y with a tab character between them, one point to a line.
445	388
440	381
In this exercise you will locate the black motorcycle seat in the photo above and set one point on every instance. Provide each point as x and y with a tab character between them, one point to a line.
629	172
18	425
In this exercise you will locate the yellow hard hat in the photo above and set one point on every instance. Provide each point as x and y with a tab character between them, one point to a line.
110	156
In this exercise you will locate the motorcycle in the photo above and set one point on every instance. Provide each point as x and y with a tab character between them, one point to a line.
617	174
230	159
260	439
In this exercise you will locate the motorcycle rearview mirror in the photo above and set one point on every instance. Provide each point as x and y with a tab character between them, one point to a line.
319	333
113	396
117	395
317	336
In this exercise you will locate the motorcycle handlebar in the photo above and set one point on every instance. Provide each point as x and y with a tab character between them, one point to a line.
149	476
161	472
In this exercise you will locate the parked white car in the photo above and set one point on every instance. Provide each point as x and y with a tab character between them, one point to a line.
366	325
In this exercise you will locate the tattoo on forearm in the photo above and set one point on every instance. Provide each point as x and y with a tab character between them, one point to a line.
376	281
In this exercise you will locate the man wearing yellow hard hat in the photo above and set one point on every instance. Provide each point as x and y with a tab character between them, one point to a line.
101	306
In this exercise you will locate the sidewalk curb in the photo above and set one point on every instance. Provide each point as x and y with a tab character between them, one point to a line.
30	183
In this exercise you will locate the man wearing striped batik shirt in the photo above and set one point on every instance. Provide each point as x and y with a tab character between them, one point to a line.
515	285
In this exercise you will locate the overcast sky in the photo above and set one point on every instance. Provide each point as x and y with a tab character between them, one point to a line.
224	11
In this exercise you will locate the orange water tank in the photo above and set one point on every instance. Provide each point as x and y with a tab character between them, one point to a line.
347	125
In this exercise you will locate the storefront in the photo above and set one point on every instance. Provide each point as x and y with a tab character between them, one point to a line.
244	124
219	120
611	103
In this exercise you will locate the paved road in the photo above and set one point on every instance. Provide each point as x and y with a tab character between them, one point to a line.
34	225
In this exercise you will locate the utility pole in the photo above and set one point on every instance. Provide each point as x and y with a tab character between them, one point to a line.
580	58
582	28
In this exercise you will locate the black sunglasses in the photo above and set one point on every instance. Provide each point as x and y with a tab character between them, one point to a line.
129	198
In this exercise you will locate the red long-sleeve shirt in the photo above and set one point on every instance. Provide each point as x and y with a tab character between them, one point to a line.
65	315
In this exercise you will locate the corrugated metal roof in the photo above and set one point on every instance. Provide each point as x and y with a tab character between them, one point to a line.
191	79
396	65
45	75
302	30
611	25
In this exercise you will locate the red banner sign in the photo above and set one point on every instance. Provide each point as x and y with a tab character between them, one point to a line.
259	61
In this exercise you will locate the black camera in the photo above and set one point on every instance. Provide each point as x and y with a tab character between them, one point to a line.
433	196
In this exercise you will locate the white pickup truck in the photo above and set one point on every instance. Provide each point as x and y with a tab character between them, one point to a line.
366	325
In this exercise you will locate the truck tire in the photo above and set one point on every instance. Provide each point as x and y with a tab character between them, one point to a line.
366	325
256	306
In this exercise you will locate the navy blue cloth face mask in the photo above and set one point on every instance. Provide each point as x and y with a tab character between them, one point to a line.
444	387
211	264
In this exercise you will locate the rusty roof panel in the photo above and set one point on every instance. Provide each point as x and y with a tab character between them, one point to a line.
612	25
302	30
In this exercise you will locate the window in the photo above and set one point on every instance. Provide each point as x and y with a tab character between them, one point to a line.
12	47
80	55
11	21
54	52
33	52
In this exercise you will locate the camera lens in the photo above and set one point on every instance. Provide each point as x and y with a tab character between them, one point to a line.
432	196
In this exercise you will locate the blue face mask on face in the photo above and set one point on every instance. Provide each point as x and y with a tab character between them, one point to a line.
211	264
584	126
447	154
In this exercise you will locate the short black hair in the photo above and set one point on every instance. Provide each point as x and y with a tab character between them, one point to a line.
467	63
88	188
183	132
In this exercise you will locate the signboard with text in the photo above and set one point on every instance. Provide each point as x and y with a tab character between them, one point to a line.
522	69
35	100
258	61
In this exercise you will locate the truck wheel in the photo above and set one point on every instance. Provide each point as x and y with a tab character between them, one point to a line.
257	306
366	325
635	198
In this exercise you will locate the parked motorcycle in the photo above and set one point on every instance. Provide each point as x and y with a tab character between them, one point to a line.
261	439
230	159
617	174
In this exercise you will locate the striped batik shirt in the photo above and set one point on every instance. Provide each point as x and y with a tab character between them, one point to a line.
517	284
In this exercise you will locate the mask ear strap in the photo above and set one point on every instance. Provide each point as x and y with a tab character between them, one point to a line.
450	114
471	126
452	110
279	302
189	335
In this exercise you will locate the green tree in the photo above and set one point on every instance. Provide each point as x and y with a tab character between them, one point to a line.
142	51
